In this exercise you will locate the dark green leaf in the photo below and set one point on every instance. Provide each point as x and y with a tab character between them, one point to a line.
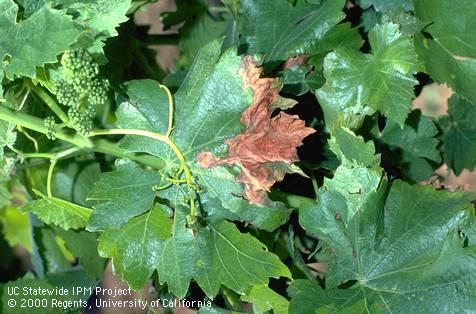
278	30
403	247
122	194
416	144
386	5
215	255
135	247
450	55
84	246
459	134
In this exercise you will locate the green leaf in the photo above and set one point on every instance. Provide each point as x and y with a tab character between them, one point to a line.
58	212
415	145
308	297
340	36
300	79
352	150
101	17
459	134
458	73
84	246
278	29
68	280
360	84
221	199
16	227
215	255
74	181
451	25
31	6
450	56
122	194
265	299
401	250
386	5
135	247
210	83
24	43
55	256
8	136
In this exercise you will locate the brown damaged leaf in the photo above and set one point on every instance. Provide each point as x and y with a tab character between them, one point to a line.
266	150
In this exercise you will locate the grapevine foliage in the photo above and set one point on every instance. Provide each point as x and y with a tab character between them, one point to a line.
280	164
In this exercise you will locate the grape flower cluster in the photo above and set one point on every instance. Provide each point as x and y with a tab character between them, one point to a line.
50	124
80	88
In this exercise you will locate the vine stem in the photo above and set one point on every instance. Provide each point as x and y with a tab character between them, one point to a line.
101	145
165	139
50	102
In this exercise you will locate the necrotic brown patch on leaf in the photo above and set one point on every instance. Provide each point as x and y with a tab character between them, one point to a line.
266	150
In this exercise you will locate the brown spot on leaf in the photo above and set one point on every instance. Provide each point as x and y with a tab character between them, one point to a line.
295	61
338	216
266	150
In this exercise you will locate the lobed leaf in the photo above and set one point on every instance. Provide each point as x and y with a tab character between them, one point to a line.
278	30
23	43
135	247
58	212
215	255
122	194
359	84
459	134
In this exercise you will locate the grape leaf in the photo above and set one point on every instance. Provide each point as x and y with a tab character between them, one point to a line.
16	227
8	136
267	148
84	246
352	150
31	6
278	30
199	107
386	5
458	73
53	253
308	297
359	84
417	143
450	56
221	199
459	134
58	212
74	181
197	27
101	17
135	247
340	36
210	83
397	247
23	43
215	255
122	194
265	299
451	26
